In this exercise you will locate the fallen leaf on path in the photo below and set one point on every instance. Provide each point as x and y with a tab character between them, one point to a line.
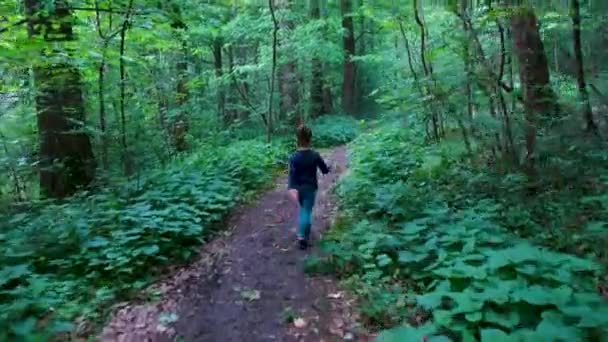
299	323
167	318
251	295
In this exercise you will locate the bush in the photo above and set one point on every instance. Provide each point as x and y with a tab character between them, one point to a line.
417	243
333	130
76	256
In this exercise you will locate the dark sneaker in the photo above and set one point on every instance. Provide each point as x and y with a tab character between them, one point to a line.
303	244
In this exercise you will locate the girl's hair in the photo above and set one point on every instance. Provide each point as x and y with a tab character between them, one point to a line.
304	136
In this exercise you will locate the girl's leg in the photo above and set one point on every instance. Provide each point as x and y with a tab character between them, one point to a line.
307	201
303	220
311	205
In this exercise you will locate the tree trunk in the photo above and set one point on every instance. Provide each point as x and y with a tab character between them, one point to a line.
66	155
180	127
348	82
317	103
181	124
219	72
102	109
273	72
288	74
580	70
464	10
232	113
534	75
126	155
106	38
427	67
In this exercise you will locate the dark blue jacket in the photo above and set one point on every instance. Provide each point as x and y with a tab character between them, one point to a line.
303	166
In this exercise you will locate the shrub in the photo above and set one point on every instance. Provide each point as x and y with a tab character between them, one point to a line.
332	130
417	243
76	256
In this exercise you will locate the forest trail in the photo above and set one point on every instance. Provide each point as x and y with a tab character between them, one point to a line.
246	283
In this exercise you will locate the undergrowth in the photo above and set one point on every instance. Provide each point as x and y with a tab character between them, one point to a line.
333	130
63	260
435	248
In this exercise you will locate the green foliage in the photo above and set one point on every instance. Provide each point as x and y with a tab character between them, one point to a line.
332	130
65	259
416	240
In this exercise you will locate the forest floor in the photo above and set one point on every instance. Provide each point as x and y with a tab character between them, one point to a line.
248	284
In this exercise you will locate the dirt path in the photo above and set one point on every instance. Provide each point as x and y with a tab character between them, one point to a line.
245	284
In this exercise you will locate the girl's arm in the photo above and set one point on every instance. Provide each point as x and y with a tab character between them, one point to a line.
293	193
322	166
291	180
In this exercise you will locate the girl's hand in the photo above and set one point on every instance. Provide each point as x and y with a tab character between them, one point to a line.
293	194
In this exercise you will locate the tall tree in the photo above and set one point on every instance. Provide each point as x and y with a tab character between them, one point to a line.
575	13
66	155
216	47
273	71
127	157
348	81
539	97
180	122
319	104
288	74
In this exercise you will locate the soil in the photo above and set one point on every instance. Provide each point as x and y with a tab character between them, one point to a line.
249	284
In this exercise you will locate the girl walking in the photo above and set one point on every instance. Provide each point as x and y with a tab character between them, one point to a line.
303	185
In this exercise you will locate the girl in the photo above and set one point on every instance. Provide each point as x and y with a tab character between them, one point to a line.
303	184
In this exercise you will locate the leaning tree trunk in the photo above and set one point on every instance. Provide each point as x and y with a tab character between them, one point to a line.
348	82
534	75
66	155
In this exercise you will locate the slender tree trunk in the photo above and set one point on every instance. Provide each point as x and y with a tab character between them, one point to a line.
102	110
106	38
181	122
539	98
273	72
508	131
349	76
290	96
575	12
464	9
427	68
232	113
66	155
219	72
181	125
126	155
317	107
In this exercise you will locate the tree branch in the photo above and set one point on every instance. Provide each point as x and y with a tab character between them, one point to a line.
111	10
18	23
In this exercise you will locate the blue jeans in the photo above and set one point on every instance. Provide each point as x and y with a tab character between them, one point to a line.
307	202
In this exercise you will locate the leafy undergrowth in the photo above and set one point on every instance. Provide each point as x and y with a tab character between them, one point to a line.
333	130
431	252
61	261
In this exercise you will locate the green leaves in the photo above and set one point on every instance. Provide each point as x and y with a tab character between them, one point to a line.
406	334
94	247
332	130
471	275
